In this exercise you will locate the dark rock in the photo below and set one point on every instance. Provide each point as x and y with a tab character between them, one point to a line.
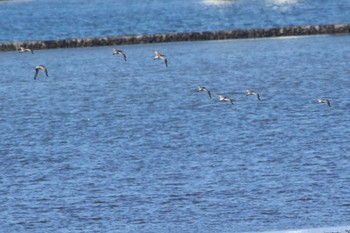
190	36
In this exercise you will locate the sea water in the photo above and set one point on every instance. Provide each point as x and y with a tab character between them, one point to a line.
25	20
104	145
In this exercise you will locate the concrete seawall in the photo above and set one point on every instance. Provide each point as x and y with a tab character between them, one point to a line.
174	37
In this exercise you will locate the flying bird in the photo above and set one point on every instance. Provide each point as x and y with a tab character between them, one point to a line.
324	101
23	50
161	57
205	90
38	68
226	99
119	52
250	92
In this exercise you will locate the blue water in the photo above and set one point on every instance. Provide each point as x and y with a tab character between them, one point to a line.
103	145
24	20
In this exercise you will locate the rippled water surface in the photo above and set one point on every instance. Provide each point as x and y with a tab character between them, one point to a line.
113	146
23	20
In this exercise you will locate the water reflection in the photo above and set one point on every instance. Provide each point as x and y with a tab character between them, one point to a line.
218	2
270	2
282	5
282	2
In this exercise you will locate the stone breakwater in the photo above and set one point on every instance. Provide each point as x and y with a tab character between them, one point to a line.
174	37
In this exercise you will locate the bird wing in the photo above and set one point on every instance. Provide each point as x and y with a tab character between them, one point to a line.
125	58
258	96
156	52
208	92
165	60
36	73
45	70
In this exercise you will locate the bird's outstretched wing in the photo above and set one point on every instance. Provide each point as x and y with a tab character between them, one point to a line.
45	70
125	58
165	60
36	73
209	93
156	52
258	96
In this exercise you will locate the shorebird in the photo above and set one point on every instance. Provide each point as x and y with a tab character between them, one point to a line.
119	52
324	101
250	92
226	99
204	89
23	50
161	57
38	68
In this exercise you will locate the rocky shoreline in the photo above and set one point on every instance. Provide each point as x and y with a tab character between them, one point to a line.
175	37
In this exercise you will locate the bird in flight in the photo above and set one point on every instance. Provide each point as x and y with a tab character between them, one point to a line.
200	88
226	99
119	52
23	50
250	92
38	68
161	57
324	101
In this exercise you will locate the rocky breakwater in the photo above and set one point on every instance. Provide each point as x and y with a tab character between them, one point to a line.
174	37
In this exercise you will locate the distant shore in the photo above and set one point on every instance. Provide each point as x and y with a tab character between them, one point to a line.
176	37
